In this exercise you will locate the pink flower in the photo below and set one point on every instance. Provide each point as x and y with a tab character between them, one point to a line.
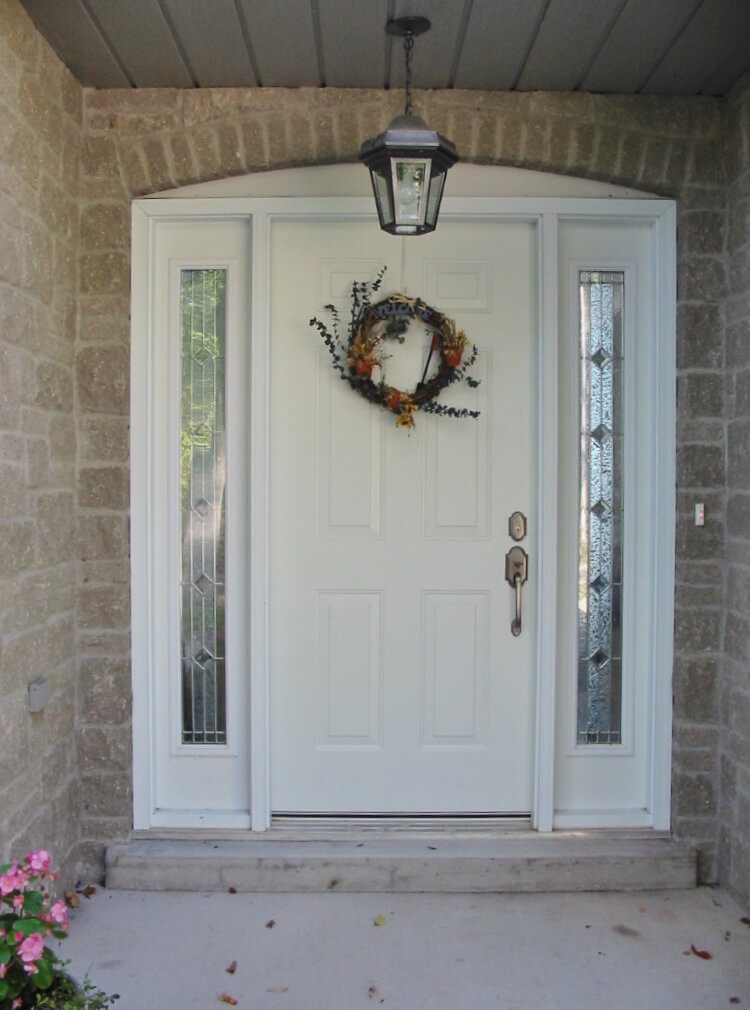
13	880
17	901
3	969
59	913
31	948
16	1003
38	860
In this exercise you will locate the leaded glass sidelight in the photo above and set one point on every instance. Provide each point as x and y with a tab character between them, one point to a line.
202	485
600	513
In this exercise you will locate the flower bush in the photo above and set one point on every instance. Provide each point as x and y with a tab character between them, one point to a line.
31	975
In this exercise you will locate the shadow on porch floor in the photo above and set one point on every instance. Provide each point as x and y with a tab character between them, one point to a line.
170	951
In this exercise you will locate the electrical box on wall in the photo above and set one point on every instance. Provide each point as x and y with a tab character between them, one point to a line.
38	694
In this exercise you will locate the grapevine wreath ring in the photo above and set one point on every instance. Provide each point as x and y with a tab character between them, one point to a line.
372	323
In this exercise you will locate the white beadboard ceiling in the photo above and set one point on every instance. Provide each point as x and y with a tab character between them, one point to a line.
650	47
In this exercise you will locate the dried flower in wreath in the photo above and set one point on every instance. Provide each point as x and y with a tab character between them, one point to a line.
357	355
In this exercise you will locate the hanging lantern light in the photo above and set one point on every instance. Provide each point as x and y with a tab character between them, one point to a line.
408	163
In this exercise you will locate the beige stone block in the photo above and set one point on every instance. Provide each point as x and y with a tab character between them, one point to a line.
37	462
105	643
53	387
54	518
99	158
324	135
105	691
102	606
38	274
106	795
12	491
112	571
276	141
11	255
536	142
12	448
105	749
17	553
509	140
485	147
607	156
104	439
205	145
134	167
105	273
349	137
24	657
156	163
230	149
105	226
21	36
560	144
10	386
104	487
40	112
94	190
180	154
101	537
102	379
62	439
254	142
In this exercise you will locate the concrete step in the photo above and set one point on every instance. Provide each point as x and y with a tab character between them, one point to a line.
513	862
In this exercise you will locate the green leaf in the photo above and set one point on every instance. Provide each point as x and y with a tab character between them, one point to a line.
28	926
44	975
32	902
3	988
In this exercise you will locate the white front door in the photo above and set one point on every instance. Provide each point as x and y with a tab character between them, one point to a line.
337	638
396	684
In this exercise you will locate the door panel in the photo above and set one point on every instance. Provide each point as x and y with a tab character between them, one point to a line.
396	685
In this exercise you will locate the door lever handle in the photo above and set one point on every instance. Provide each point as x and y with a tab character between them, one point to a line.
516	573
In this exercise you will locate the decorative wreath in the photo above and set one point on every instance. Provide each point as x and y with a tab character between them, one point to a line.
373	323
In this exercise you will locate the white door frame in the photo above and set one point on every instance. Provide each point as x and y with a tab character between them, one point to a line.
659	468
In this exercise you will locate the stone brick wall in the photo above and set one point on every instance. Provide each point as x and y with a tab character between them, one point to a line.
734	821
40	136
140	142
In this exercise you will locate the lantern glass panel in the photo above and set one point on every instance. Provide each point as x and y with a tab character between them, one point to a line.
435	195
382	195
410	190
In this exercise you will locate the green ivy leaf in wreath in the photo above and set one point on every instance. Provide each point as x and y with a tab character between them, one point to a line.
371	323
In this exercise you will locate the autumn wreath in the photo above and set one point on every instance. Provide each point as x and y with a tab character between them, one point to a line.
450	354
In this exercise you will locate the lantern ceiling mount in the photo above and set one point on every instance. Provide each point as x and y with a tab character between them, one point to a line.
408	163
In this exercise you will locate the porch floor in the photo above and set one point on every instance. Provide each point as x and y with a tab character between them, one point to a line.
170	951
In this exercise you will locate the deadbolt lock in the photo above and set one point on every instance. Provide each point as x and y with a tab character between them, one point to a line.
517	526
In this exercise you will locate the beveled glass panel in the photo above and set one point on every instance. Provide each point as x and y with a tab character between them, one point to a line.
202	486
600	514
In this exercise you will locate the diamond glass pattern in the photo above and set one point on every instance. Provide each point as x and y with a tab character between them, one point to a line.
600	515
202	486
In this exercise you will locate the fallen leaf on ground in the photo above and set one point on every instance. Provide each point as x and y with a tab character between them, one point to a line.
278	988
88	890
270	924
641	909
734	999
226	998
433	847
71	899
745	921
232	968
379	920
232	890
372	991
700	953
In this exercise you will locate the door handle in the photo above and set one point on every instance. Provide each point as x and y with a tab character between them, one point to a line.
516	573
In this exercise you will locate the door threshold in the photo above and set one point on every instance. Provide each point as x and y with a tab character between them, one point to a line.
305	825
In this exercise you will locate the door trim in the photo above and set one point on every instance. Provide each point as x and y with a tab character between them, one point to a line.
260	213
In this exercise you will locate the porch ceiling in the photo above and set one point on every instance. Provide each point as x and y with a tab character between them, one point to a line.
659	47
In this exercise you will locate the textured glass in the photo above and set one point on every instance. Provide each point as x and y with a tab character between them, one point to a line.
600	516
202	483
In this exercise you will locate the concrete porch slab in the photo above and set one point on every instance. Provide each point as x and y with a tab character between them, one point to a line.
163	951
468	864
